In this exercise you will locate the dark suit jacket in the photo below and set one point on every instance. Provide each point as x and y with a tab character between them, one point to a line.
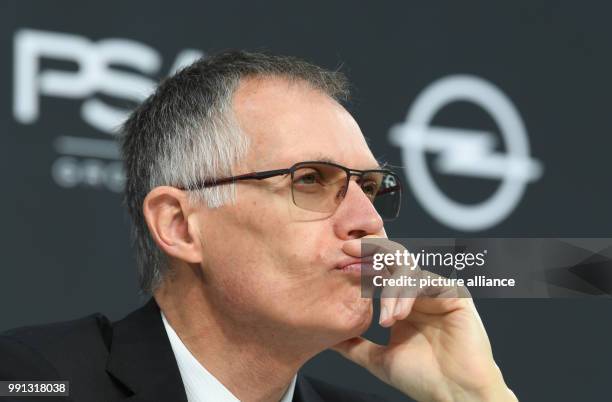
129	360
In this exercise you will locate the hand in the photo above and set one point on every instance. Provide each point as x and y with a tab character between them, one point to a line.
438	348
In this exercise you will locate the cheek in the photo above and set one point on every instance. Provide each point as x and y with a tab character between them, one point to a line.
298	251
261	256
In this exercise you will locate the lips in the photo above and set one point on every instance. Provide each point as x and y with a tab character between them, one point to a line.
356	265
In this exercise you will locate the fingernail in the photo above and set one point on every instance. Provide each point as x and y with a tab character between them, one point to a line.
384	314
398	308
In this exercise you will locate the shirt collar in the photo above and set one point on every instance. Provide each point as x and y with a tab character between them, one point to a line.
200	384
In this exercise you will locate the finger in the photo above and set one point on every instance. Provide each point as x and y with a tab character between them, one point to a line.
429	306
387	309
442	299
362	352
403	308
436	286
394	300
438	306
428	299
400	299
363	247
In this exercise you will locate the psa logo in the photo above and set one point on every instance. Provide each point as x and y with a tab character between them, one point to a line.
468	153
85	161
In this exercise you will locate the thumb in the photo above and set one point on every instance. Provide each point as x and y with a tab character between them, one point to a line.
362	352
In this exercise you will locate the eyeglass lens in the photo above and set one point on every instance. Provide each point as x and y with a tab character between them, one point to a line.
321	188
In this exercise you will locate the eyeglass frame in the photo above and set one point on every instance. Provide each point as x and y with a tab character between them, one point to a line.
266	174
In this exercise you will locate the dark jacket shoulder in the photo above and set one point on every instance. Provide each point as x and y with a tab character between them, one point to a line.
74	350
67	340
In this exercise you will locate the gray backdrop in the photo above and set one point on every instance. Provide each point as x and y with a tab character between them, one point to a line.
530	80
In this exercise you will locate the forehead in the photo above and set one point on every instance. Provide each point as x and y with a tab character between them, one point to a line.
289	121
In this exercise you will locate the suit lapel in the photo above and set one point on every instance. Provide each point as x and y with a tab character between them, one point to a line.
141	357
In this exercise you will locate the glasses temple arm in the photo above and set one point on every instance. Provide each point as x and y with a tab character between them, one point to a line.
247	176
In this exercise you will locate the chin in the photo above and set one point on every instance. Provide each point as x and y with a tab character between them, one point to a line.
336	322
355	317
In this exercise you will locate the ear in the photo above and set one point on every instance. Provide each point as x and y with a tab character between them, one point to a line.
166	211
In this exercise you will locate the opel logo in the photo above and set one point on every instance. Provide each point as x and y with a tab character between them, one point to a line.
466	152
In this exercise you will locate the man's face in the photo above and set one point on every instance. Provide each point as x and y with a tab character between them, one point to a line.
266	260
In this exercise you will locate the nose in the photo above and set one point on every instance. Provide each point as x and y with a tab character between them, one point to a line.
356	216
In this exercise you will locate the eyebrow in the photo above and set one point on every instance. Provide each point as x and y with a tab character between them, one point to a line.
324	158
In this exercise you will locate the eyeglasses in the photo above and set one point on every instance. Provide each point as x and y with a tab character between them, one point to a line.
321	186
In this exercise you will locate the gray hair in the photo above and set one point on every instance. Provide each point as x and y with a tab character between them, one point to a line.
185	132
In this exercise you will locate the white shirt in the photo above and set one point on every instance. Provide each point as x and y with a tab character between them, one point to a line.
200	384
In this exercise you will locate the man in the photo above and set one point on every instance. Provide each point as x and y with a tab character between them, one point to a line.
250	187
